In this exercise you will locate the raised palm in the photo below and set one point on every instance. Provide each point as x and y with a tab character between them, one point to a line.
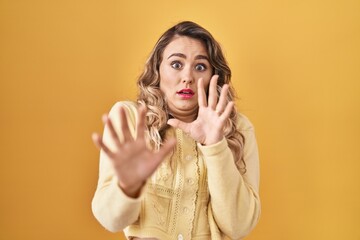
133	161
208	127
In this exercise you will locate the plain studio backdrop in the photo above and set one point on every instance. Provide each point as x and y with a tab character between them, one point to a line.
296	69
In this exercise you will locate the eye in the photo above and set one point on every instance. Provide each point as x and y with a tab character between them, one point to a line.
200	67
176	65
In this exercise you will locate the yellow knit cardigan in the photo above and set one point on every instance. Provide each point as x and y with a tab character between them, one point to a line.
196	193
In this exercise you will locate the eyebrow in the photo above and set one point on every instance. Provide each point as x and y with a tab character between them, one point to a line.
184	56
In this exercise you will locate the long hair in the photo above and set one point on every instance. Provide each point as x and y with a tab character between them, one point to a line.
151	95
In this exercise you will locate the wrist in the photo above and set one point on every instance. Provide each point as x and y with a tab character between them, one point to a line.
132	191
213	141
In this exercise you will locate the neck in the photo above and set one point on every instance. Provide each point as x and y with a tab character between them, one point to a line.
184	115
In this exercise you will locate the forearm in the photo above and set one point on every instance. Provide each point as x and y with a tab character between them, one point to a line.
114	209
234	202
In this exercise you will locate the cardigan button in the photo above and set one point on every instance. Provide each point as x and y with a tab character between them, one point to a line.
190	181
180	237
188	157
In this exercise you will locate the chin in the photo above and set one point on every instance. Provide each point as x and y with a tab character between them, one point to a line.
186	106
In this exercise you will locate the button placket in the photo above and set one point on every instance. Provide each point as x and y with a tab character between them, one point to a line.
189	162
188	158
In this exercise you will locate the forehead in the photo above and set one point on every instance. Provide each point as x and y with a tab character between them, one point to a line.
185	45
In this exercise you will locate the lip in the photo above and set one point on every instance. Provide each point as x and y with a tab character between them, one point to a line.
185	93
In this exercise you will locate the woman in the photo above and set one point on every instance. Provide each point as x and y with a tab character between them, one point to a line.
182	163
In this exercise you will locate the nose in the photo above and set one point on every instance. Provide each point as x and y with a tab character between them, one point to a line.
187	77
187	81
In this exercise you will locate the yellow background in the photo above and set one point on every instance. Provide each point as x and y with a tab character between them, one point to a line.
296	67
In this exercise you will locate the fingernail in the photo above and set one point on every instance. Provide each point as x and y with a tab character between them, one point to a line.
94	137
104	118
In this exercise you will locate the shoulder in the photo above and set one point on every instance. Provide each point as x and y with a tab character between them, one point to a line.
130	108
244	124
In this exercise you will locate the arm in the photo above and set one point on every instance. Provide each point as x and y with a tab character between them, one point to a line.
125	165
235	202
110	205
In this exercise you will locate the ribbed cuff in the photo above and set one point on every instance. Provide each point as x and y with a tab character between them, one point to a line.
213	149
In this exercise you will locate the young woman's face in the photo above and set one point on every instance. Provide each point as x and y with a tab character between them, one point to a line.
185	60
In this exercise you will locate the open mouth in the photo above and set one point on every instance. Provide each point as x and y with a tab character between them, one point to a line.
185	93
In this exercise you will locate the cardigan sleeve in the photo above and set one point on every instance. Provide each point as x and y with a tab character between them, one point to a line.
110	206
234	198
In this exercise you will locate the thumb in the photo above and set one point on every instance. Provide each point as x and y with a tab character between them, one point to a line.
179	124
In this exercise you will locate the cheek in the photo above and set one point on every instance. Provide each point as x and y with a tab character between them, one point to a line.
207	77
206	83
162	74
167	77
165	84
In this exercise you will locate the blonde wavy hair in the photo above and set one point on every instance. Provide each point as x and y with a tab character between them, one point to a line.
151	96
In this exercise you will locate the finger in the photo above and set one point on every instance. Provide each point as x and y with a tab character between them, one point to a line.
226	114
100	144
141	123
95	138
160	156
124	125
201	94
166	148
113	134
179	124
213	97
222	100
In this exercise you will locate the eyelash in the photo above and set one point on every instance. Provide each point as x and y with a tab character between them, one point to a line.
179	63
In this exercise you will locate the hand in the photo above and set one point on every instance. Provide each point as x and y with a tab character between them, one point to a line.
133	162
208	128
